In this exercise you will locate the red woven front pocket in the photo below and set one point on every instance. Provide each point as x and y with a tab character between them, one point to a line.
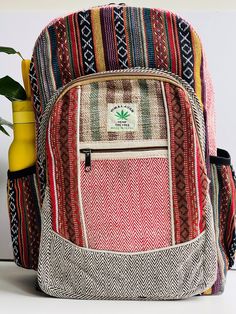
126	203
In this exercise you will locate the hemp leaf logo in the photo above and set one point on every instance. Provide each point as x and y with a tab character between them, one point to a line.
122	115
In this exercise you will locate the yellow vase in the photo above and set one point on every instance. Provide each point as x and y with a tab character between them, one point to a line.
22	150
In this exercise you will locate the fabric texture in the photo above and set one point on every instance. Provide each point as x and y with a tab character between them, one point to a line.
113	38
186	174
176	272
223	191
24	217
189	175
134	219
153	234
147	98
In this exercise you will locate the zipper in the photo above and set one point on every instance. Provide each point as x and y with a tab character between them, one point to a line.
88	153
138	73
147	73
88	163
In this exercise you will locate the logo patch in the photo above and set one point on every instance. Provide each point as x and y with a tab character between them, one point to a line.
122	117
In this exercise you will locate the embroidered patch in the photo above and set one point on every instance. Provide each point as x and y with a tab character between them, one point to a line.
122	117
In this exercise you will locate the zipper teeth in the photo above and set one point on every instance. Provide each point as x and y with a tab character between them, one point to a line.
113	150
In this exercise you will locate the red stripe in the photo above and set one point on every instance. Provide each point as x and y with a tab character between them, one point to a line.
159	39
63	51
22	223
75	56
171	42
58	164
73	165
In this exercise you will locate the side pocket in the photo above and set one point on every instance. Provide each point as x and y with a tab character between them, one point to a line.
24	214
223	200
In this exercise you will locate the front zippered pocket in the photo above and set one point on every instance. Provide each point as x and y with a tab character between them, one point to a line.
125	198
88	152
166	113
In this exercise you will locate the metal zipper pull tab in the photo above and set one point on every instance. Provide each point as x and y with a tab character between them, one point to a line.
87	165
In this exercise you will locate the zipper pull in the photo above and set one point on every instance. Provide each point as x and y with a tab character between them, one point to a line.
87	153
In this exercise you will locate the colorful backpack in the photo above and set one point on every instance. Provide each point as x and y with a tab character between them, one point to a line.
130	198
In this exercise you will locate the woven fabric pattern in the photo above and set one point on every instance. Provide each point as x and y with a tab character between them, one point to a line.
189	177
63	145
189	183
122	213
24	217
223	201
113	38
118	37
173	273
146	95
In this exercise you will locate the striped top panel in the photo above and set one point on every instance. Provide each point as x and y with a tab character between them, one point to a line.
110	38
146	95
118	37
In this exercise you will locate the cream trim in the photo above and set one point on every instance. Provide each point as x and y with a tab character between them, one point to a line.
169	159
127	155
54	177
103	77
202	235
78	165
196	183
124	144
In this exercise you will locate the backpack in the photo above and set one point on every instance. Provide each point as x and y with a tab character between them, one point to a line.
130	197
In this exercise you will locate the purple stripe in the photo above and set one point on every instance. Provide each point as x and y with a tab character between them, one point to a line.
108	36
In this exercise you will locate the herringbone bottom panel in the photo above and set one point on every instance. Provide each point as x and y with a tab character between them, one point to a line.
68	271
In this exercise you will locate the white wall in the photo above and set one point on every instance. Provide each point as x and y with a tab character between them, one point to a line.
22	21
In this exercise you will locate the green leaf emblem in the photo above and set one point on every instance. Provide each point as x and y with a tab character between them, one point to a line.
122	115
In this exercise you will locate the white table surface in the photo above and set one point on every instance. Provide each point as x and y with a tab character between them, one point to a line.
17	295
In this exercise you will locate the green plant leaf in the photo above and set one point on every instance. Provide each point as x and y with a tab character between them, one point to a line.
10	51
11	89
5	122
3	130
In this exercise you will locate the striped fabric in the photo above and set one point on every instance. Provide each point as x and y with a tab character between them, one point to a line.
189	176
118	37
155	275
70	186
24	217
145	94
223	196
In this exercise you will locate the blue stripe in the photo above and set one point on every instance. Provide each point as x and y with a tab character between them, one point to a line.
55	66
150	46
135	37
